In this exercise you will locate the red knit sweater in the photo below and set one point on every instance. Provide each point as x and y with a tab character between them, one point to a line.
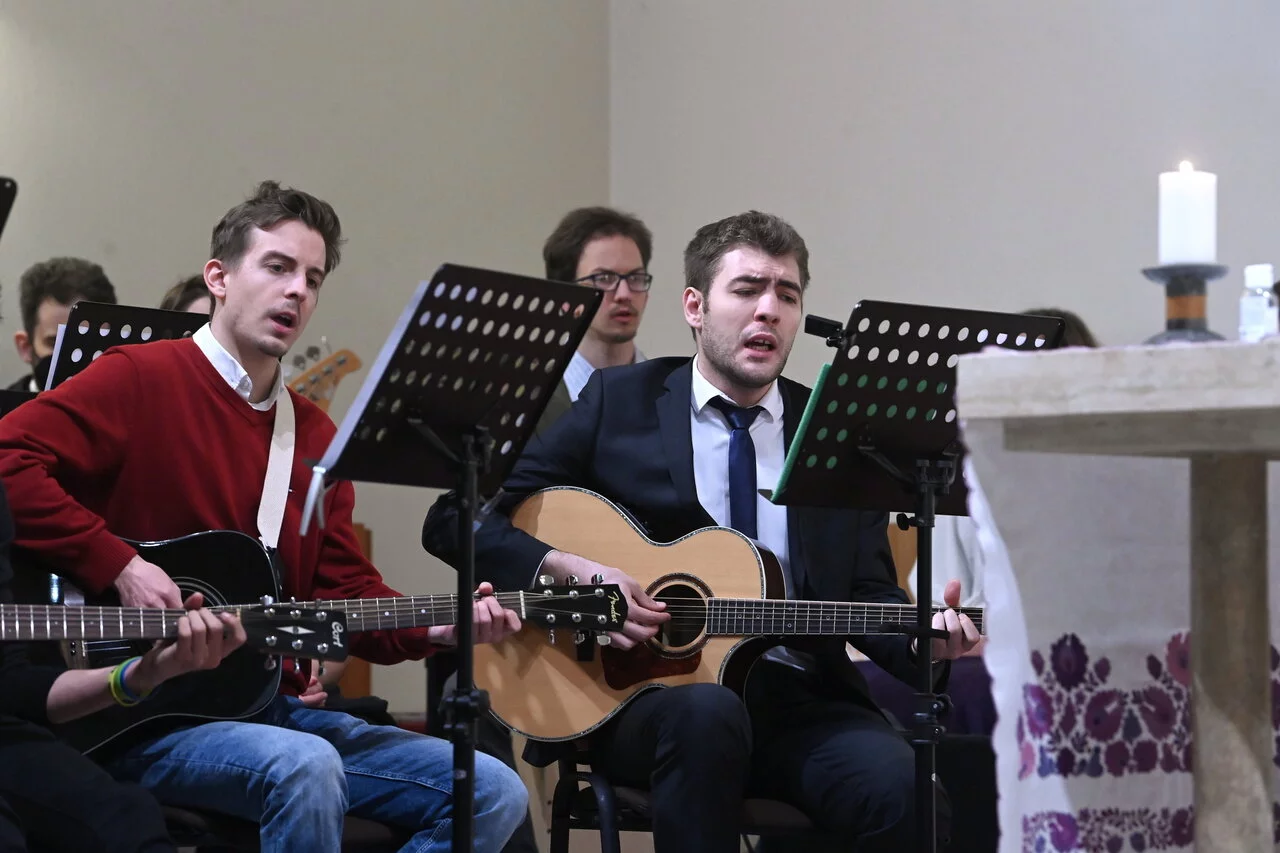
150	442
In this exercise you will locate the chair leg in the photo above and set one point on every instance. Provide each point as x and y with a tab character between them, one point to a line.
607	808
561	809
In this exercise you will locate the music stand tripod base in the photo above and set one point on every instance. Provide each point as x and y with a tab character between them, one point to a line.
449	403
880	433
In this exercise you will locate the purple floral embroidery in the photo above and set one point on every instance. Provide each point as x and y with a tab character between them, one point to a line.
1114	830
1103	715
1039	710
1158	711
1178	659
1070	662
1074	722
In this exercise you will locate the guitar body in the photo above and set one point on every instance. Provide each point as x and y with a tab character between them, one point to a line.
546	692
228	568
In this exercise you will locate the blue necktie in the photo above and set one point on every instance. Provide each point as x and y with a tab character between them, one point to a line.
742	465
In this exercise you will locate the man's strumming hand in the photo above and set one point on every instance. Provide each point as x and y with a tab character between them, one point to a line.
644	614
143	584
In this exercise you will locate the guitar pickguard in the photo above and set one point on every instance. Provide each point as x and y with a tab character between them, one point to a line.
641	664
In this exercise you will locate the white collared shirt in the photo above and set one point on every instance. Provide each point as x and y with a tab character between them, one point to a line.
580	370
711	433
230	370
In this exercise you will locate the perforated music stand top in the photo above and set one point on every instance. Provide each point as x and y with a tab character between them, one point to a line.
472	348
94	327
891	388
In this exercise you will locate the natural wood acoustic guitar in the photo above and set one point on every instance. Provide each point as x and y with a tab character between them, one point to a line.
725	597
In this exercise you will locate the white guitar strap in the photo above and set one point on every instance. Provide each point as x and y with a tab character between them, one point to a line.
275	490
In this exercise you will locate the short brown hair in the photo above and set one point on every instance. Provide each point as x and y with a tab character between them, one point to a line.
64	280
763	231
563	249
270	205
182	294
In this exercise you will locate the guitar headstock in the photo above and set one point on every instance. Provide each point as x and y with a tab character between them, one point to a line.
297	632
595	608
318	382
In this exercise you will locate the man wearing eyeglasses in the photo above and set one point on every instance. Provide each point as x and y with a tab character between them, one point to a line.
603	248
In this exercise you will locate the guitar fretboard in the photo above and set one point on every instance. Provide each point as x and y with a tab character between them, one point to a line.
51	622
744	617
412	611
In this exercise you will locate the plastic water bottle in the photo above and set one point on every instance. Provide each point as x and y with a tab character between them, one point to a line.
1258	313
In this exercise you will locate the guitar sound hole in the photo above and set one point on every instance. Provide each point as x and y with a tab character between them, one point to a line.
688	611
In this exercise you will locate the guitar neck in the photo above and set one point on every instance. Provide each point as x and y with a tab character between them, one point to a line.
411	611
745	617
56	622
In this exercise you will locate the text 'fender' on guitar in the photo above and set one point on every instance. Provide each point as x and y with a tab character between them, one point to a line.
725	597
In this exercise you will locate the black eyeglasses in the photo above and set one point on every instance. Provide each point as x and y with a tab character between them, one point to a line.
637	282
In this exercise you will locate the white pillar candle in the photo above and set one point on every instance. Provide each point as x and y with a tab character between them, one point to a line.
1188	216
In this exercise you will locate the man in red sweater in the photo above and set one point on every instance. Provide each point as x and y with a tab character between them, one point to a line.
163	440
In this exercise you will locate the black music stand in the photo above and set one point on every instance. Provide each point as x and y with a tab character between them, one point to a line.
880	432
8	193
94	327
449	403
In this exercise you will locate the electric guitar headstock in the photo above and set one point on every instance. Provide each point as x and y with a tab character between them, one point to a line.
318	382
298	632
595	608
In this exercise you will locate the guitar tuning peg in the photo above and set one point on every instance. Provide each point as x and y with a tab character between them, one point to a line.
579	638
266	599
597	578
545	580
572	580
551	638
269	664
603	640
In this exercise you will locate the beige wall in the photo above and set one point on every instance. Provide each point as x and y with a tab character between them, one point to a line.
990	153
447	130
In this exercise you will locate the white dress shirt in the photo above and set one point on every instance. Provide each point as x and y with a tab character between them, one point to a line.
580	370
230	370
711	433
711	464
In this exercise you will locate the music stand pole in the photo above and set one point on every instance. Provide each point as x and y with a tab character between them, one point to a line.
449	403
880	433
931	478
464	705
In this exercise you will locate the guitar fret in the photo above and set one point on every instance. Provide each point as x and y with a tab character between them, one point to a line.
763	617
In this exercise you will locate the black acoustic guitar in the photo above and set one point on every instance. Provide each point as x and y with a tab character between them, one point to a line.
230	568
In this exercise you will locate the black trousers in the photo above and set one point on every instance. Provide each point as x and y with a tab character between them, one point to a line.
11	840
62	802
700	750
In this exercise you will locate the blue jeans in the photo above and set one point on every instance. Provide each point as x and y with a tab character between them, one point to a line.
297	771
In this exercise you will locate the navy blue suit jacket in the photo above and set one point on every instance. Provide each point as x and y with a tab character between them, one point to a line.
628	437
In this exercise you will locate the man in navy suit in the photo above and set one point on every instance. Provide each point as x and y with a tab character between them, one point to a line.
682	444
